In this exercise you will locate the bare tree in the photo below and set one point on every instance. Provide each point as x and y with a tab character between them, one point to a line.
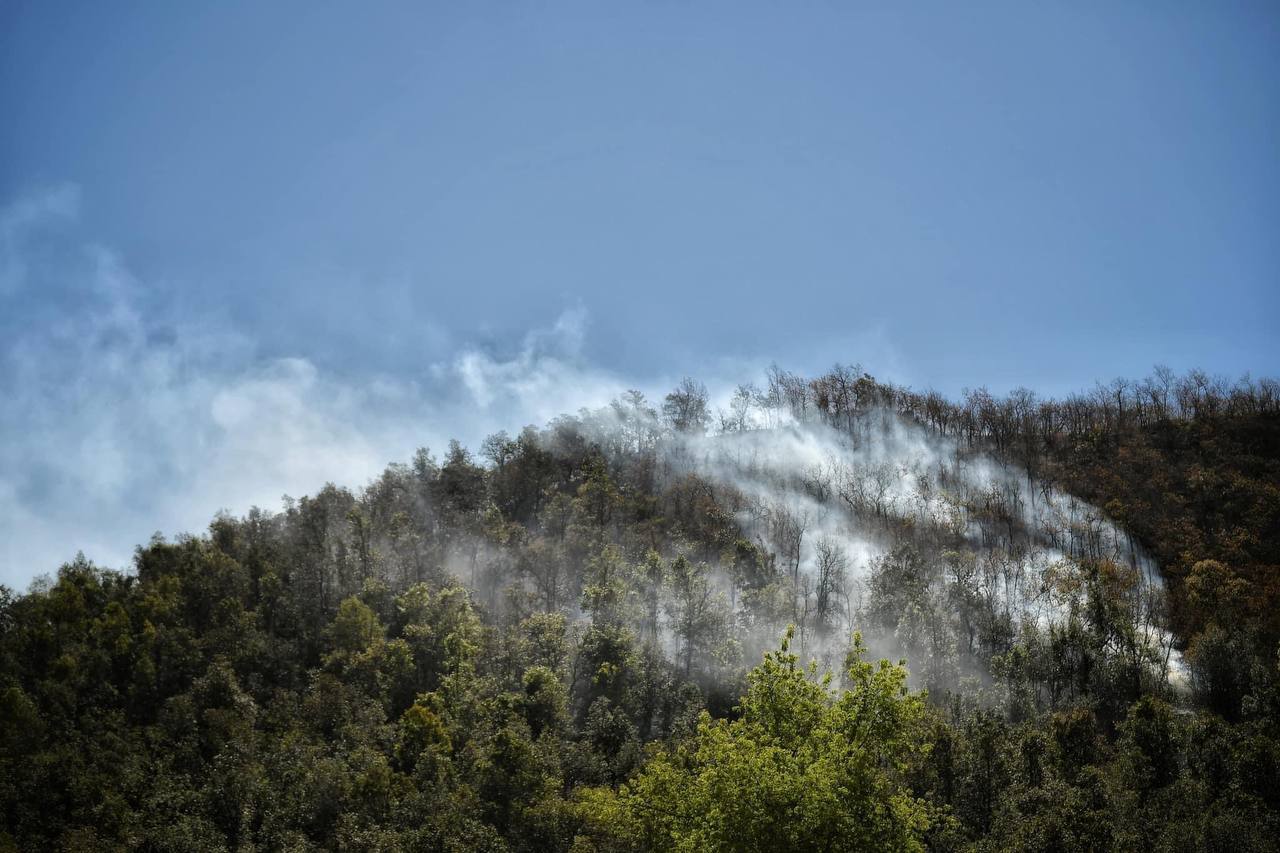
685	408
738	418
831	566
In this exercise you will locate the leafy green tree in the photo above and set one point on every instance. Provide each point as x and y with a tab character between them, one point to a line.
699	615
803	767
356	626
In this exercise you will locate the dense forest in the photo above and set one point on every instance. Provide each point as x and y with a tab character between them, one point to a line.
834	614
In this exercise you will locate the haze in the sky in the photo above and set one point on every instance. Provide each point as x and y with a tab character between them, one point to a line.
249	248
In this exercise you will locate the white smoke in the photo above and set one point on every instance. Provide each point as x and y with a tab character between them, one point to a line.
886	480
119	419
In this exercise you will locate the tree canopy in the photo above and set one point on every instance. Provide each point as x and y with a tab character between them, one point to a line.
634	631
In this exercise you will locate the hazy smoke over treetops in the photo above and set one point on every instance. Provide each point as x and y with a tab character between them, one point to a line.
876	522
120	415
119	420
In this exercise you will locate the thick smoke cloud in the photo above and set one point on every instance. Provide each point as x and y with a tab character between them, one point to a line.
119	417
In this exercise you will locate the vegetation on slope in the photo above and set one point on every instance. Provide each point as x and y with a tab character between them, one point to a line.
609	677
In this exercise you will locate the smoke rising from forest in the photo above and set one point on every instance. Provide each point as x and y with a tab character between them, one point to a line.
841	506
121	416
167	422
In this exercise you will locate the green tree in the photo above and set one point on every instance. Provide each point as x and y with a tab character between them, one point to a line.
803	767
698	615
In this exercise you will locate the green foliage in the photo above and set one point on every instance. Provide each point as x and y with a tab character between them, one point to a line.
319	679
801	768
356	627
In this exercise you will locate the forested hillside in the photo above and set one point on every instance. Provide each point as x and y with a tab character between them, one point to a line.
835	615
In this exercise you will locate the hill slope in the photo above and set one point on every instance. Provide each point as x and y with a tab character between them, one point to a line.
576	644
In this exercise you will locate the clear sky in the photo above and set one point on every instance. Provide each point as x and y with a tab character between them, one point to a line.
252	247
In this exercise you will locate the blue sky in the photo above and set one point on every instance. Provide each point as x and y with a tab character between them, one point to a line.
249	248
